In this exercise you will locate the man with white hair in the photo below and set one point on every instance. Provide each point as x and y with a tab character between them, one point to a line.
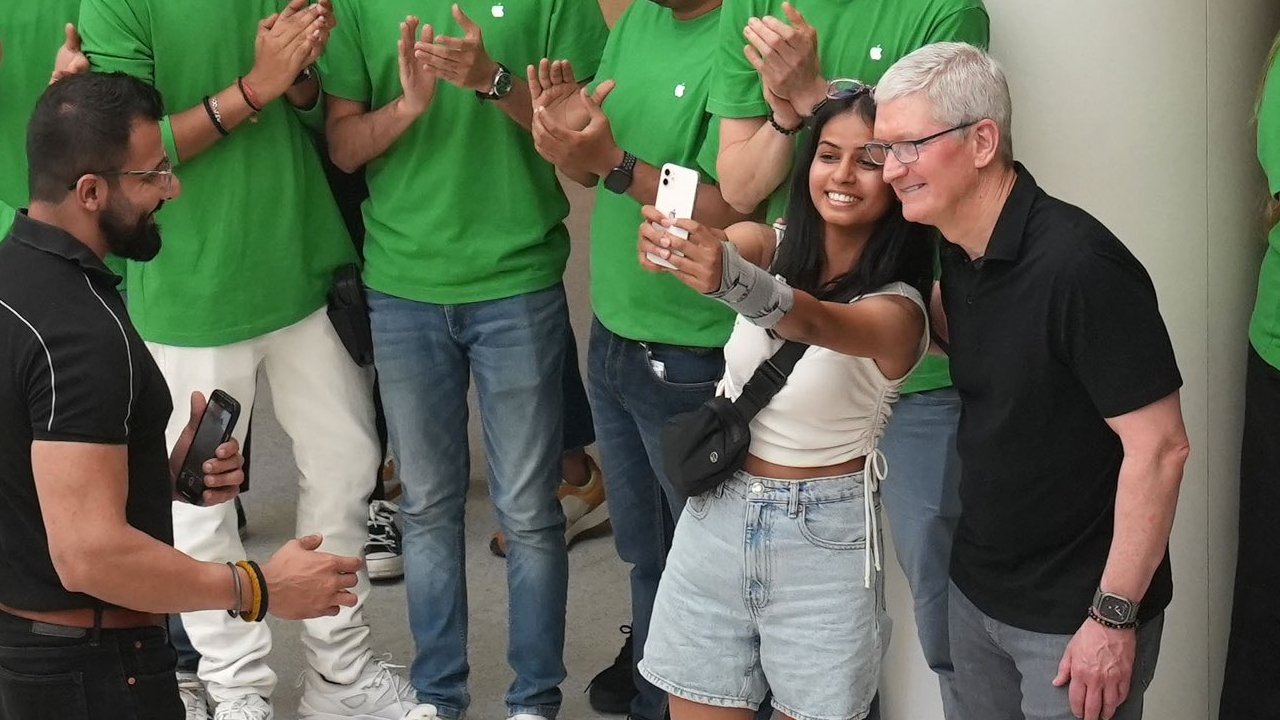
1071	442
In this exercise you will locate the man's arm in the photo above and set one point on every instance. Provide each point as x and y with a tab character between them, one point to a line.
1098	662
1155	451
357	135
754	159
83	489
114	40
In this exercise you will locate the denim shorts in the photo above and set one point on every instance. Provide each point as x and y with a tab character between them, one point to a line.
764	589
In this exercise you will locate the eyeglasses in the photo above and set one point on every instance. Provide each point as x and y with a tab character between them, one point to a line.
907	151
846	87
163	178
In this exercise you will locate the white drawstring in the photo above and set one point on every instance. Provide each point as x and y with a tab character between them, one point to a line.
877	469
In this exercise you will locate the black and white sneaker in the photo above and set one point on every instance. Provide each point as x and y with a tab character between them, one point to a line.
384	550
611	690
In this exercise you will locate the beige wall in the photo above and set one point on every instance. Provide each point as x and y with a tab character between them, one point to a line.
1139	112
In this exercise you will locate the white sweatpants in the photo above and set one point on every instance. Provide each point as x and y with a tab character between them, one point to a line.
324	402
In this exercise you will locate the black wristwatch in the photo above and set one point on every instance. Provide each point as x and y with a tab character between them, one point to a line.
619	178
501	85
1114	611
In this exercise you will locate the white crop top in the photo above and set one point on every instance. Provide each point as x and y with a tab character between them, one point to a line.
833	408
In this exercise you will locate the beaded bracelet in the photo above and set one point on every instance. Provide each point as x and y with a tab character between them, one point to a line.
1093	615
785	130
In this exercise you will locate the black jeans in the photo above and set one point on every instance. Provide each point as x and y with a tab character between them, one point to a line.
108	675
1250	690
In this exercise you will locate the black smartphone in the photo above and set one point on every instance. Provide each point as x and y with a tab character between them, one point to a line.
216	425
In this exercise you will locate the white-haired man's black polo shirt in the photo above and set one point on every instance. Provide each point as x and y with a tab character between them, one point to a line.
72	369
1054	330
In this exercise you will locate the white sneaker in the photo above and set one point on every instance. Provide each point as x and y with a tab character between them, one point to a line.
422	712
378	694
383	550
526	716
194	701
248	707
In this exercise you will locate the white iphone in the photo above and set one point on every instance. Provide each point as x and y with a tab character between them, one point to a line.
677	191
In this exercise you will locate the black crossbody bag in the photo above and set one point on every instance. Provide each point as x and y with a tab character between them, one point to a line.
703	448
349	313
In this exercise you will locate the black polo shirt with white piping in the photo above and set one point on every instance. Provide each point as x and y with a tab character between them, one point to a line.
1052	332
72	369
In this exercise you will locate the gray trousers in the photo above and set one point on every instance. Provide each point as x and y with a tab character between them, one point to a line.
1006	673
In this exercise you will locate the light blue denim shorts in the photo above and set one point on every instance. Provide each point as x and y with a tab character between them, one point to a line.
764	589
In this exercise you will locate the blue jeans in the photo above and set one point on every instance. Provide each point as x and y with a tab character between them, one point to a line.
631	403
425	355
922	499
765	590
579	427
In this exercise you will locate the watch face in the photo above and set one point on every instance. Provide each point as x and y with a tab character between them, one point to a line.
617	181
502	83
1115	609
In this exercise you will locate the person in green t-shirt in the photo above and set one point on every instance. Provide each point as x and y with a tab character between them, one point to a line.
1249	689
465	248
775	66
31	31
240	289
656	346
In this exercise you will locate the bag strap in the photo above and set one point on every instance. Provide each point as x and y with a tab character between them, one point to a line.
769	378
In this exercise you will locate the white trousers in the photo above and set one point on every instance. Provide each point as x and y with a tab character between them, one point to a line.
324	402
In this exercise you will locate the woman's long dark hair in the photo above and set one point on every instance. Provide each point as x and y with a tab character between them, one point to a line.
898	251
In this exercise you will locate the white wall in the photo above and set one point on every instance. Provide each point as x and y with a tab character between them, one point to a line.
1139	112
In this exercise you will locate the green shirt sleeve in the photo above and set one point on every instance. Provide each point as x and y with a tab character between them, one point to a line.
736	91
7	216
116	37
577	33
312	117
1269	128
968	25
342	67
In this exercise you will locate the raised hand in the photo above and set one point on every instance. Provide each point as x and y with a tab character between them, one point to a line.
416	79
553	87
786	56
287	42
70	59
591	150
463	61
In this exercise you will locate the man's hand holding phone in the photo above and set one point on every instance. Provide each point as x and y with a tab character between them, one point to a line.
222	470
